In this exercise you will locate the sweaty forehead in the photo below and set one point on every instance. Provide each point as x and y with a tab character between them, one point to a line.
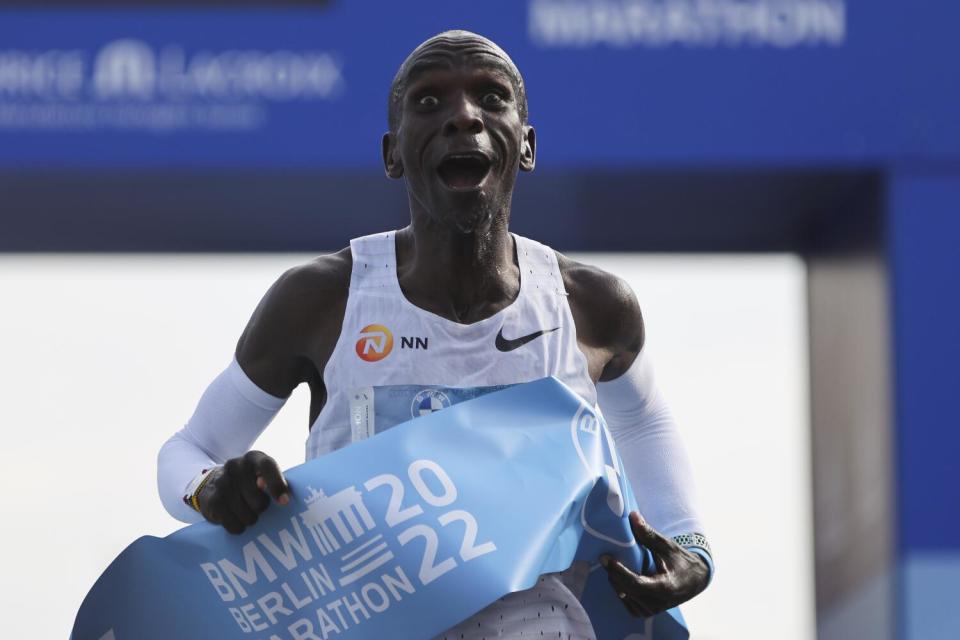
447	53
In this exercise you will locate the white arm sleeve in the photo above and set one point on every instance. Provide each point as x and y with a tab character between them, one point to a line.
653	453
231	414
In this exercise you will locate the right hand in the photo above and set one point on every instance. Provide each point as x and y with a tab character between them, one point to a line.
241	489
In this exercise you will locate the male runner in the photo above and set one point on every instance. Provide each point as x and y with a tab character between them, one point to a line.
491	308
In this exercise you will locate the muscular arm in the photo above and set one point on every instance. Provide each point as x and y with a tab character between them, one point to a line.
611	334
286	342
610	328
294	328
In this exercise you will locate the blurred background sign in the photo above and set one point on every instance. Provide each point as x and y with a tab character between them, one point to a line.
611	82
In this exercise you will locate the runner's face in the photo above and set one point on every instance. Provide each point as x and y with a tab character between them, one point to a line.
460	138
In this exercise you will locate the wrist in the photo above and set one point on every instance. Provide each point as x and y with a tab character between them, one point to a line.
696	543
191	494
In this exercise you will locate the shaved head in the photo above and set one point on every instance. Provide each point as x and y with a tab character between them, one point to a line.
464	45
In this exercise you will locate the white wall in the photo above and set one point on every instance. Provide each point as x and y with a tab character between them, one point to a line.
101	358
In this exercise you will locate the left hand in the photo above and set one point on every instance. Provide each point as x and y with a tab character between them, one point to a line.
680	574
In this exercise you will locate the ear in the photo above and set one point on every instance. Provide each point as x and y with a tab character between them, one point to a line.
391	159
528	150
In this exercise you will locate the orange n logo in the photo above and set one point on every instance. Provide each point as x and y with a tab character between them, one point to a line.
375	343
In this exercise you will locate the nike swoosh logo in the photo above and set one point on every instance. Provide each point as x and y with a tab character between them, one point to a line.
509	345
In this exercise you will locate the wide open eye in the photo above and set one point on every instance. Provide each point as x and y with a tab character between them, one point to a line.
492	99
428	101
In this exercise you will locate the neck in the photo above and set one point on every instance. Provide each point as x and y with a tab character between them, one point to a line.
461	276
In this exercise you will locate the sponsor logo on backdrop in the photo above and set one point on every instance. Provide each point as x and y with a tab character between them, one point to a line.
784	24
129	84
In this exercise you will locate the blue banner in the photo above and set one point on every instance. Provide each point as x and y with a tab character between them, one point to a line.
611	82
416	529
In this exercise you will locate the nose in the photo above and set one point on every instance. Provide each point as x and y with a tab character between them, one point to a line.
464	118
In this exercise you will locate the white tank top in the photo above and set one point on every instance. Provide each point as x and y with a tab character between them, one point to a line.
394	361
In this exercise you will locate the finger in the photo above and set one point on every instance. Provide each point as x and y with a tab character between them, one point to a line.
614	566
621	590
627	582
647	595
239	481
646	589
270	478
239	508
633	607
257	500
231	523
648	536
640	610
624	590
646	609
638	606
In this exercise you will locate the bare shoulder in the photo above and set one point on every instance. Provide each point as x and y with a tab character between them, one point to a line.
326	275
291	325
607	314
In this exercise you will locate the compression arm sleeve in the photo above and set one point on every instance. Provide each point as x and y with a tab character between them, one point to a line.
653	455
231	414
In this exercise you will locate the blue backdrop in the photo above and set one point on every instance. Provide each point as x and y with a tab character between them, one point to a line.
611	82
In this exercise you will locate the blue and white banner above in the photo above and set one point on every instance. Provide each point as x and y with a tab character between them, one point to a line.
416	528
687	81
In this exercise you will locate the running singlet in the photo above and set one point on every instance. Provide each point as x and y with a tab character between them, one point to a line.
394	361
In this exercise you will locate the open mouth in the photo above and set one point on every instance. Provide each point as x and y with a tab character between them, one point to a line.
464	170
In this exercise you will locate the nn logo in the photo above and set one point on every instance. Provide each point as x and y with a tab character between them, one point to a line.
413	343
376	343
